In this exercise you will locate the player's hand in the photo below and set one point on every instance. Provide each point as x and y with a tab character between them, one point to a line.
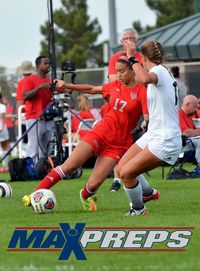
61	86
144	125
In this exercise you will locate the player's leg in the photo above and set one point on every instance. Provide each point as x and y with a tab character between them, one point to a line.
143	161
116	184
101	170
74	161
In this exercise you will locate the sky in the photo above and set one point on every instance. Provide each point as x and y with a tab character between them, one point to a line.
20	22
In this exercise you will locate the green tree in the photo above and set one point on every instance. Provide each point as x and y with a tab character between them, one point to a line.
169	11
75	34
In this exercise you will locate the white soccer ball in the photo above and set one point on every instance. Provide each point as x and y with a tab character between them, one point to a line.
5	190
43	201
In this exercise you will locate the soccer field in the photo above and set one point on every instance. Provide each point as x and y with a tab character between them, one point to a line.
177	207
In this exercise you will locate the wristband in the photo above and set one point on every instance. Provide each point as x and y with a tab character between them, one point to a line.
132	60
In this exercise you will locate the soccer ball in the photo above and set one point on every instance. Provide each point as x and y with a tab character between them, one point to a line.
5	190
43	201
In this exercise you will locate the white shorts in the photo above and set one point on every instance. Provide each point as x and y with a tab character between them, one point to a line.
4	135
166	150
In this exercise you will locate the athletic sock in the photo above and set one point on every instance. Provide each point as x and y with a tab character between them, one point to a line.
146	187
135	196
86	193
117	180
5	160
52	178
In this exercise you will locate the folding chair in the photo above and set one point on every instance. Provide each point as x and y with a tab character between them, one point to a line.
177	171
83	126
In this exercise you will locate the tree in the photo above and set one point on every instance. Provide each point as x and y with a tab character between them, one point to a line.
169	11
75	35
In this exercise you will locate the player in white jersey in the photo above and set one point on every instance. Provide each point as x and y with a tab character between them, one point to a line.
162	142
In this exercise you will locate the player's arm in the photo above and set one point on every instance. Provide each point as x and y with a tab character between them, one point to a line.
83	88
141	74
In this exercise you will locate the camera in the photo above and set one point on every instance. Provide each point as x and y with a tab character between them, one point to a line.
68	66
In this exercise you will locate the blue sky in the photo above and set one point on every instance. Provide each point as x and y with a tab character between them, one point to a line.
20	22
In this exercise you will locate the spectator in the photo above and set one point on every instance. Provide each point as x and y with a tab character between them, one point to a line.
26	69
189	107
4	136
10	120
182	88
37	97
127	34
85	112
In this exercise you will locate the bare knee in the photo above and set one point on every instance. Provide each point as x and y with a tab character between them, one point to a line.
124	174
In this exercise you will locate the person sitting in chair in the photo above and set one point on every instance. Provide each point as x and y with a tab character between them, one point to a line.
189	107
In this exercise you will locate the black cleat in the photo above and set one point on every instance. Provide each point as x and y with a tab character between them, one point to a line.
115	187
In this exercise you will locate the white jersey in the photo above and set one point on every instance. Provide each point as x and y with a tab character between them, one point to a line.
162	106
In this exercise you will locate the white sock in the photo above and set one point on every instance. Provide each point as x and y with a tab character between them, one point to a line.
135	196
146	187
5	160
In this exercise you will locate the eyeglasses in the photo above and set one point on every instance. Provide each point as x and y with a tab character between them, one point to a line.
130	38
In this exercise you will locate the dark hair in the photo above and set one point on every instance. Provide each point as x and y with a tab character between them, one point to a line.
123	59
38	60
175	71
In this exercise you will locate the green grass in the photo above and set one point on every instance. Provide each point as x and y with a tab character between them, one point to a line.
178	206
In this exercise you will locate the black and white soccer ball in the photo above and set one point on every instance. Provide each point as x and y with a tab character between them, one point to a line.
5	190
43	201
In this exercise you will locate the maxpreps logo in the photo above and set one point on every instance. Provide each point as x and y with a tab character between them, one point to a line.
82	239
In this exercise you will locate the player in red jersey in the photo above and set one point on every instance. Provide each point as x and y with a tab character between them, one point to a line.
110	137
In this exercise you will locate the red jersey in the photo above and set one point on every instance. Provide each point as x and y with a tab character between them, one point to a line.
36	105
185	121
114	58
104	108
126	105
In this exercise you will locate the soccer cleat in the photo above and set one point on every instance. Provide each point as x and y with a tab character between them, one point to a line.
27	200
115	186
88	204
154	196
133	212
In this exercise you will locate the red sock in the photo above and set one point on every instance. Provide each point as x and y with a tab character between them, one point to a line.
86	193
51	179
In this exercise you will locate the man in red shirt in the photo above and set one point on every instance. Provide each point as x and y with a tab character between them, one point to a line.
189	107
37	97
127	34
